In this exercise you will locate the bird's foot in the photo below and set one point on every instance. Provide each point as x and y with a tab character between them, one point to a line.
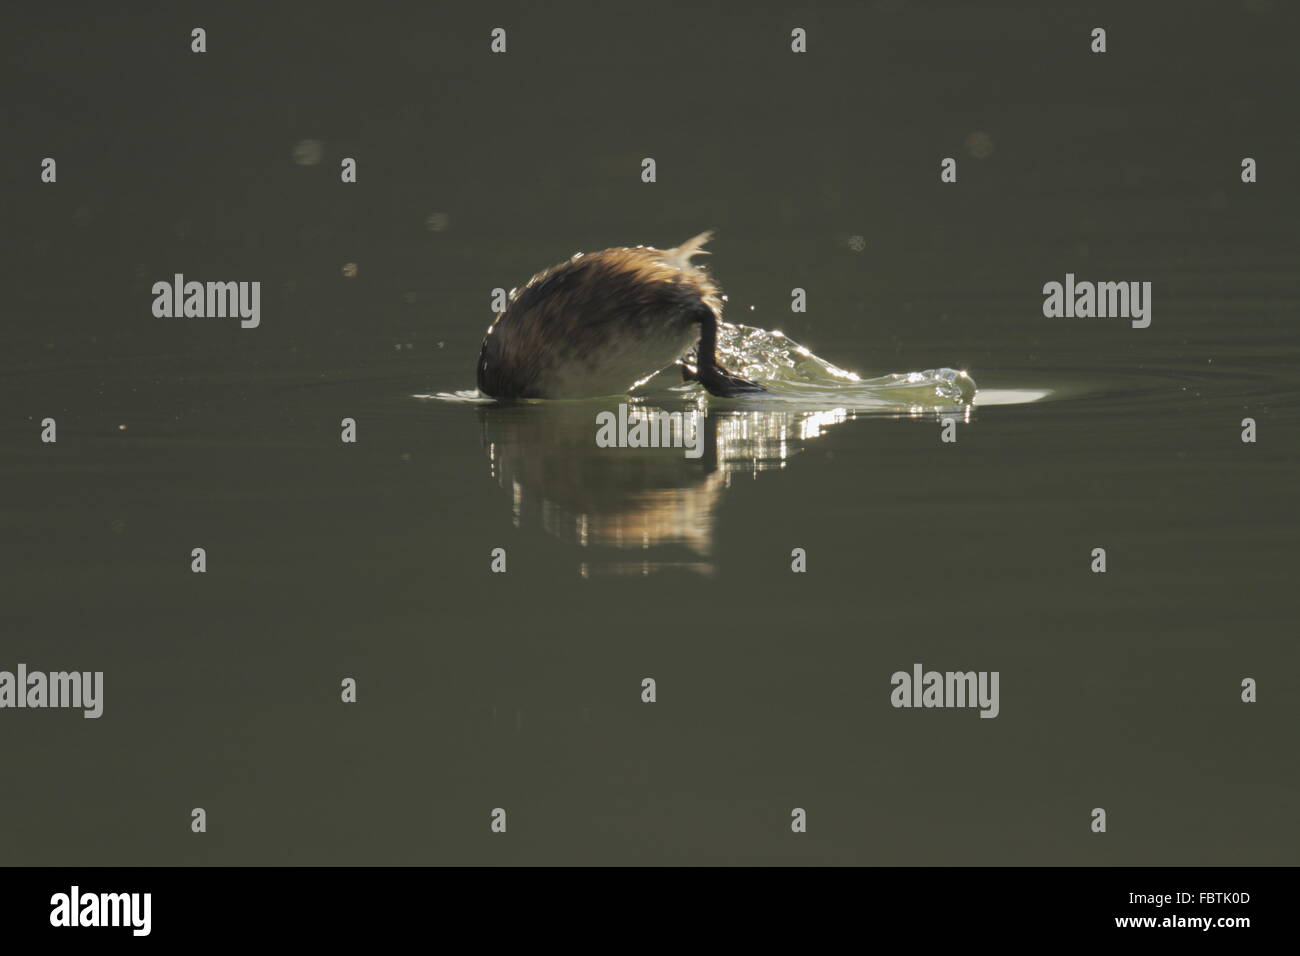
722	383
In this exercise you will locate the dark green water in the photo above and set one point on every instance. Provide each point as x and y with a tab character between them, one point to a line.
523	690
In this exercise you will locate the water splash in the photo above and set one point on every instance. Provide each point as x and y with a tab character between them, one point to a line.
468	396
793	372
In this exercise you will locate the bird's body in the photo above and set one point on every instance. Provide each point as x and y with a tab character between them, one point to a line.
601	323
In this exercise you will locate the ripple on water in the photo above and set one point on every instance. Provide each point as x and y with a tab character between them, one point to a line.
794	375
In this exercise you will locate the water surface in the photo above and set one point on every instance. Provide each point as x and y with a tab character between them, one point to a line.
522	690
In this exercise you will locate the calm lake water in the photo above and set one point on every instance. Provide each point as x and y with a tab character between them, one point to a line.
523	690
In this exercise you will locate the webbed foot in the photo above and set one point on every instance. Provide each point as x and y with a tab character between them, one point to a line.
722	383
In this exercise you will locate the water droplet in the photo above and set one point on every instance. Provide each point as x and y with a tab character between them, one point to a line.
979	144
308	152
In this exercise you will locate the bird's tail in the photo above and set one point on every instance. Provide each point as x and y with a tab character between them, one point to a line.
681	256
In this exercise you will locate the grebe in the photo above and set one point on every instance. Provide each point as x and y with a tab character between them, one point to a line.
602	323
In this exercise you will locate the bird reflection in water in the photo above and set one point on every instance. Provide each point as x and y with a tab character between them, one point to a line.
638	510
